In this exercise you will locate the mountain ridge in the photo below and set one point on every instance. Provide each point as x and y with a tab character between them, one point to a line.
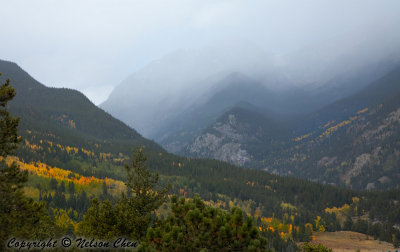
66	117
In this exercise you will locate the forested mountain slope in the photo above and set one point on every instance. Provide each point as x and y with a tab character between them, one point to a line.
65	112
354	141
285	207
351	142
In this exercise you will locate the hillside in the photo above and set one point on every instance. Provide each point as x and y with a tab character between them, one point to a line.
345	241
167	87
279	104
237	135
280	204
354	141
351	142
180	130
63	110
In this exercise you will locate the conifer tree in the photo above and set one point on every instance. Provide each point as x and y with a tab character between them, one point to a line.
131	216
194	226
19	216
9	138
105	190
145	197
71	188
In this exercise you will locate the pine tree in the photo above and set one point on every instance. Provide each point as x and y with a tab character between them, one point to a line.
62	187
308	247
348	224
131	216
9	138
194	226
19	216
71	188
105	190
53	184
145	198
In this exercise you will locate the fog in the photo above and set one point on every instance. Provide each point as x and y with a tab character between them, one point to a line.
93	46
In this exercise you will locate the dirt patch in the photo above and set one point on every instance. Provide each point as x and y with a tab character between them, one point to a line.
351	241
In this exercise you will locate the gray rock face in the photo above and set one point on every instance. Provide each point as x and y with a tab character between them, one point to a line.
384	180
223	144
370	186
383	130
359	163
326	161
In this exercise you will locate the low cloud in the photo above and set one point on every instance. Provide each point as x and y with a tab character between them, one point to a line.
93	45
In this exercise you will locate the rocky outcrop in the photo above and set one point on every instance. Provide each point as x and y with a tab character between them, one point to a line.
224	143
360	162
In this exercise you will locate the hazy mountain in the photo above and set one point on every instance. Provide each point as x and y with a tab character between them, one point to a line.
167	100
222	96
166	87
64	112
62	129
353	141
284	103
237	135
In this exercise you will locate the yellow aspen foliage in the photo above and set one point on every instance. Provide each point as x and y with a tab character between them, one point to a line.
32	146
47	171
356	199
297	139
309	226
362	111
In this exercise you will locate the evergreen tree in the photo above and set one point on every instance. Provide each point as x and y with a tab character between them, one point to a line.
308	247
99	221
62	187
131	216
146	198
193	226
53	184
9	138
348	224
105	190
19	216
71	188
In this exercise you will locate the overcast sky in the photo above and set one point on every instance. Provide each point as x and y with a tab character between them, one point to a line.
93	45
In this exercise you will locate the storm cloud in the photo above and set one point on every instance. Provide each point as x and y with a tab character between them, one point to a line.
93	45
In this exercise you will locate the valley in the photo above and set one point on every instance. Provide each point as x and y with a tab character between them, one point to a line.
200	125
62	150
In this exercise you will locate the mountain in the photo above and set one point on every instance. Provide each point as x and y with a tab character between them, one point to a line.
350	142
237	135
354	141
59	148
159	96
59	119
379	90
283	104
63	111
168	86
178	131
